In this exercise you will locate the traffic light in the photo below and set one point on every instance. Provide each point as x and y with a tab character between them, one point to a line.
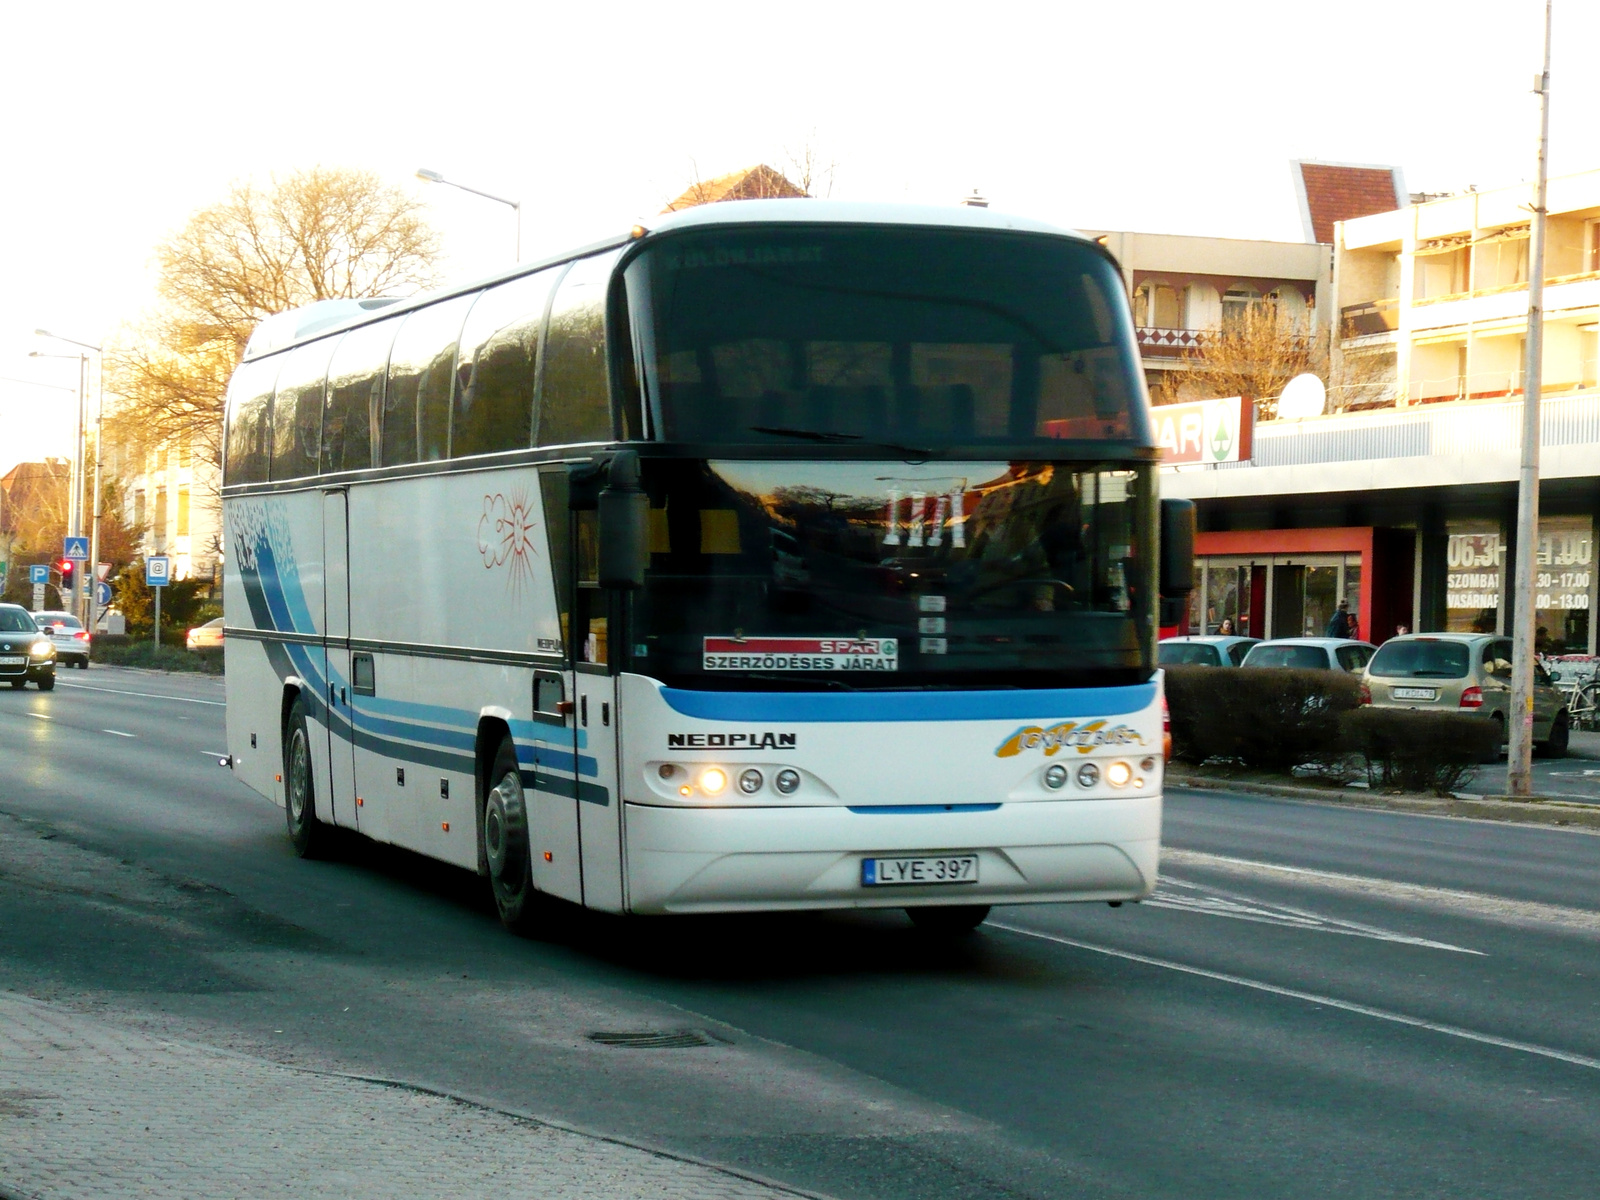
68	566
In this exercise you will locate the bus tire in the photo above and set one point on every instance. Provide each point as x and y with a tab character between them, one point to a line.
505	843
308	835
949	920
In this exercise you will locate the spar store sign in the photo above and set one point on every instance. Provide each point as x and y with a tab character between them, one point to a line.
1205	431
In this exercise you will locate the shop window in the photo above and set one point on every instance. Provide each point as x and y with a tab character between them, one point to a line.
1475	558
1563	585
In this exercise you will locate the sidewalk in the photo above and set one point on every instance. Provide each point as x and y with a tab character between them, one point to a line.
91	1110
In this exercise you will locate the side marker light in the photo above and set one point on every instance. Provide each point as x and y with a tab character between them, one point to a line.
548	857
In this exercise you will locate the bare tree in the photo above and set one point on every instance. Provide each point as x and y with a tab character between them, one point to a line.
318	234
1254	354
809	169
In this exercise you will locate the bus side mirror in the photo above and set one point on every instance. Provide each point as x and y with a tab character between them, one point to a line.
1177	548
624	525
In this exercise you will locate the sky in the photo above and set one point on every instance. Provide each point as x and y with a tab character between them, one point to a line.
121	120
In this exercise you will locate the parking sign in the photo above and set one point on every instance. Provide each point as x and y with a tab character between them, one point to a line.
156	571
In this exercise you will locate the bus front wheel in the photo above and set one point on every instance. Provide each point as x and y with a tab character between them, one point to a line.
308	835
949	920
505	843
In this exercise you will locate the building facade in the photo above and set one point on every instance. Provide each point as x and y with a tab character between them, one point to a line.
1409	509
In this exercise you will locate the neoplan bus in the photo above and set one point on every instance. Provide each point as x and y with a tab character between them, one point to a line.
787	555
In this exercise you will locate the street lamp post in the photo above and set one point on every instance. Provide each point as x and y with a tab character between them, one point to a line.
92	573
516	205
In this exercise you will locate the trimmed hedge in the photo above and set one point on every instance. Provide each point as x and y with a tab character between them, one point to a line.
1267	718
126	650
1413	750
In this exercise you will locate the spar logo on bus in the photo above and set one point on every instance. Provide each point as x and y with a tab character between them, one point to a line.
1080	736
800	654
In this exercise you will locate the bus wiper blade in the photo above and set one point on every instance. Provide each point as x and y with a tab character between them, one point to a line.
821	435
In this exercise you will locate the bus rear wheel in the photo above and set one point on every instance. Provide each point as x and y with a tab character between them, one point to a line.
308	835
949	920
505	844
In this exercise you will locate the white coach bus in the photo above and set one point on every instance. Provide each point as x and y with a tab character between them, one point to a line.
790	554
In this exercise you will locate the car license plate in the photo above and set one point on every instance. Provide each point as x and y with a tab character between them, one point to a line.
1415	693
946	868
13	661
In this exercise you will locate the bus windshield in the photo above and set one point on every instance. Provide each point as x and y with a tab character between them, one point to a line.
900	336
783	574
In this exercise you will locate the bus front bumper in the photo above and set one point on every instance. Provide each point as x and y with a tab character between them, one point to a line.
686	860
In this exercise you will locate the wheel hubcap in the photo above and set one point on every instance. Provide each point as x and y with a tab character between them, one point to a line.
504	830
299	783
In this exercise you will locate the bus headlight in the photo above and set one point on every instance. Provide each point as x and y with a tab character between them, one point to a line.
1088	775
1119	774
787	781
1055	776
713	780
750	781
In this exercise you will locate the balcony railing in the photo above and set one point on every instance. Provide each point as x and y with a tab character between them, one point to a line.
1375	316
1174	343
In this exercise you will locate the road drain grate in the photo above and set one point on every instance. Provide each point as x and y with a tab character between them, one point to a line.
658	1039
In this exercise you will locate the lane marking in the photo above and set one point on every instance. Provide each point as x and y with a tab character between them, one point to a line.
1210	902
1364	1010
41	716
119	733
85	687
1496	908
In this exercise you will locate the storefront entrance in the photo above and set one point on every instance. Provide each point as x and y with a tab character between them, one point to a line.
1279	595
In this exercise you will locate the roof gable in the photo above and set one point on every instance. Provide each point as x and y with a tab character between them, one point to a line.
1331	192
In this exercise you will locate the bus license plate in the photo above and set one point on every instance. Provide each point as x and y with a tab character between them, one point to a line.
11	661
948	868
1416	693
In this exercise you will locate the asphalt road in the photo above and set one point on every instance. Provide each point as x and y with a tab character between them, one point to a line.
1319	1001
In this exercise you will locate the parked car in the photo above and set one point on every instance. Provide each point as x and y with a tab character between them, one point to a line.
70	637
1311	654
207	636
25	653
1467	673
1213	650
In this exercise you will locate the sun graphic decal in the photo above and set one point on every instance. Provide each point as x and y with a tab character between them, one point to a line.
505	537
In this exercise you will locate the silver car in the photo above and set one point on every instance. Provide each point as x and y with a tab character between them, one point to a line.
70	637
1311	654
1212	650
1467	673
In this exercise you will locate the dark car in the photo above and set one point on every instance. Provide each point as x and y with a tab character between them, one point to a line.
25	653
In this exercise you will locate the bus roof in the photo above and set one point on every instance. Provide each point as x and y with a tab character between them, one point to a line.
286	329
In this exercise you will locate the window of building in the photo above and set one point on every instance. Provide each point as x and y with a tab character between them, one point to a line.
1501	262
1443	273
183	512
1161	306
1563	582
1237	303
1475	560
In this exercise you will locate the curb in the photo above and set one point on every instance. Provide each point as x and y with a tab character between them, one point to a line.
1548	812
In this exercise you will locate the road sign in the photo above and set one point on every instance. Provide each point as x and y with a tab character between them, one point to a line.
38	597
39	574
102	570
156	571
76	548
102	594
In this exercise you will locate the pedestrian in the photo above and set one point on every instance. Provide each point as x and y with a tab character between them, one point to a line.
1341	624
1401	630
1226	628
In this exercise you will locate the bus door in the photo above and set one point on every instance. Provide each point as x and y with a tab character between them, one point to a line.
340	800
599	804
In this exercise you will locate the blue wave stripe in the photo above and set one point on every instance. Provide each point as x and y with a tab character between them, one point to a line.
1010	705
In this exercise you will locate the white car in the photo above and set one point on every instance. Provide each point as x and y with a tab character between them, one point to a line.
1311	654
70	637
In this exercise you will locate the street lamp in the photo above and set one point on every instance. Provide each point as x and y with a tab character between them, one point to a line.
428	176
99	415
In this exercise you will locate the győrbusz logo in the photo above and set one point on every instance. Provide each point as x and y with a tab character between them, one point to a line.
1081	736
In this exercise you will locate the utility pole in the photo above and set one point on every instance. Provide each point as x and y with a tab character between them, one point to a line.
1519	754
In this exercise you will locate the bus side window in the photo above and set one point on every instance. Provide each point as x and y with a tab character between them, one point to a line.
416	406
297	411
249	414
499	347
554	489
574	400
355	393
